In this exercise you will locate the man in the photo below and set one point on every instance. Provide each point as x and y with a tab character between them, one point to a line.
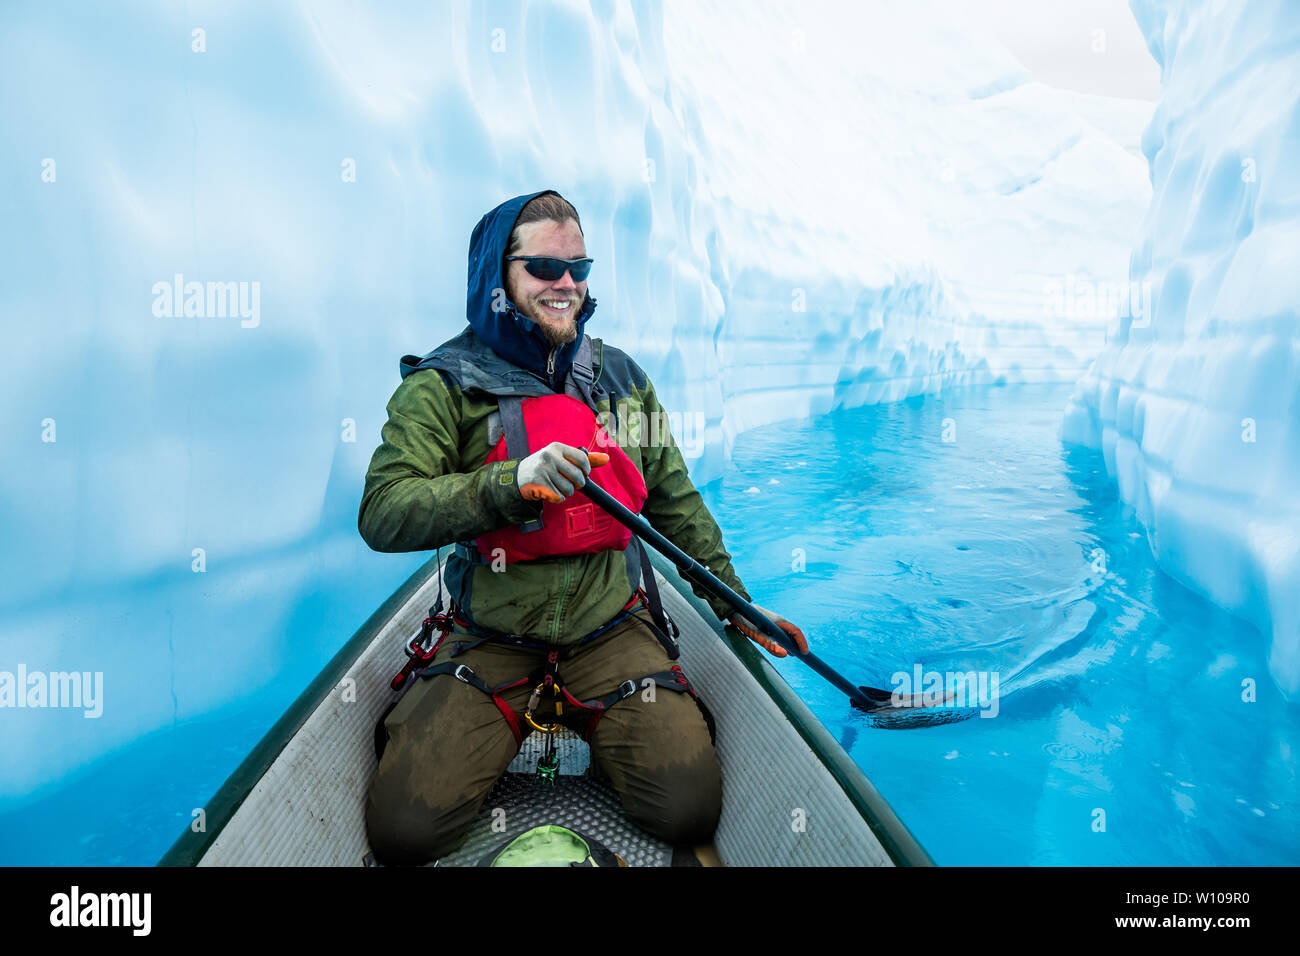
470	455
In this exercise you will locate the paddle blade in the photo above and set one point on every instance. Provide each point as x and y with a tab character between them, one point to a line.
873	694
910	711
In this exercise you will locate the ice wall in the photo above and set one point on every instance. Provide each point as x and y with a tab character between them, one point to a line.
788	211
886	200
1198	410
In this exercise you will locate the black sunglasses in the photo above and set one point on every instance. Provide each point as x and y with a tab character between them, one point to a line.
548	268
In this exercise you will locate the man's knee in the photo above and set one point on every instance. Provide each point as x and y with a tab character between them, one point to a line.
405	831
678	803
661	761
448	745
420	803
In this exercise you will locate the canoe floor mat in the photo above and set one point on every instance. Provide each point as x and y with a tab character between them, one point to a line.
519	802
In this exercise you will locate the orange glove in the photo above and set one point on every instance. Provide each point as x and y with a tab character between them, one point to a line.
765	642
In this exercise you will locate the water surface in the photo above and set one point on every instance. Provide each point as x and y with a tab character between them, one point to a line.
958	533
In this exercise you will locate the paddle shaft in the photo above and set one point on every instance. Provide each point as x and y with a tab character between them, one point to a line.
697	572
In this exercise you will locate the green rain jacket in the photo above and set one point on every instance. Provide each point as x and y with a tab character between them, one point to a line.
427	486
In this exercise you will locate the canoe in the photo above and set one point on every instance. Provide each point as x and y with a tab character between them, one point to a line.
791	795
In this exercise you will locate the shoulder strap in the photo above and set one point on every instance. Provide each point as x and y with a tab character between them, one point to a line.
582	375
512	424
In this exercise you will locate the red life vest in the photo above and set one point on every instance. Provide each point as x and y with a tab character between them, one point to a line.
575	525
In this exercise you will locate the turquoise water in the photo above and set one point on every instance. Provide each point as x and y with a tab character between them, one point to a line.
1121	735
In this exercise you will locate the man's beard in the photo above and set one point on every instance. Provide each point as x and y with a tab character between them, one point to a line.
557	337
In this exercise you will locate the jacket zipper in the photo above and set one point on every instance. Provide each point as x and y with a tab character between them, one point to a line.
559	605
550	366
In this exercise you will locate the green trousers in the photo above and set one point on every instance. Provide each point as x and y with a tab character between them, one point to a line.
448	743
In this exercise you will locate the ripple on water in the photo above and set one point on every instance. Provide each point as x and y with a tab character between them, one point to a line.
1059	750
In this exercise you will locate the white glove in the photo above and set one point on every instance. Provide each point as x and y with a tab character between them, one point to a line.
555	472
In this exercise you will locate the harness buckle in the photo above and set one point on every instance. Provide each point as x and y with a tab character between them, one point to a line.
673	630
421	648
626	689
462	673
420	639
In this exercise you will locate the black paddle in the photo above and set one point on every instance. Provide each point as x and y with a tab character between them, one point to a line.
870	699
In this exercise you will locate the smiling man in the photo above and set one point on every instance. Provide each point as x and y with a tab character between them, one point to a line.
553	305
488	439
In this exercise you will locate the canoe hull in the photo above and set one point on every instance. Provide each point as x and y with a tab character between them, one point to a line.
791	796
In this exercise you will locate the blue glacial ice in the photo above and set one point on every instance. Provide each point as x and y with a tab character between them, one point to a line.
790	211
1197	408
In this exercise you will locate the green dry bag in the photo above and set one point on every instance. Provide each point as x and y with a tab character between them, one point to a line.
552	845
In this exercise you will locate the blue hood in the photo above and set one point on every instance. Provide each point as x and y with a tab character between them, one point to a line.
516	338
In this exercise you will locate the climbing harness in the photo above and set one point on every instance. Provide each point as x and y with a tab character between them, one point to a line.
582	716
545	679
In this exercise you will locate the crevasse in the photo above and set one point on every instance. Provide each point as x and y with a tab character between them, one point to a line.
1198	410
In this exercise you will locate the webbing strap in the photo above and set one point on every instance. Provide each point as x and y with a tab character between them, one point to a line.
517	640
651	590
465	674
674	680
582	373
512	424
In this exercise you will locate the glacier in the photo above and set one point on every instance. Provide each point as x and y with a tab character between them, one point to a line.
790	211
1196	409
